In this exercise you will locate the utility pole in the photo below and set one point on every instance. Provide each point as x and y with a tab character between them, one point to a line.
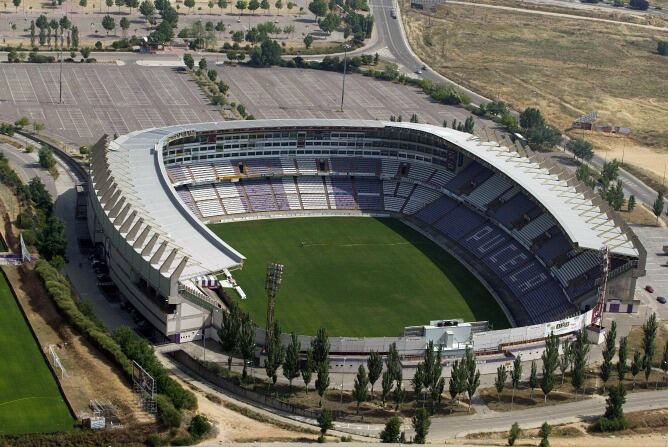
345	67
60	79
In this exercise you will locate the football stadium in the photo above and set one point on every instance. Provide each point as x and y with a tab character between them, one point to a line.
386	231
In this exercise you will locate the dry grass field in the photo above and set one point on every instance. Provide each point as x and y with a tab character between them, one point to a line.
564	66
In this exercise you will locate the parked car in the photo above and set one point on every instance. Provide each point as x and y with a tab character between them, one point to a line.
661	300
649	288
393	13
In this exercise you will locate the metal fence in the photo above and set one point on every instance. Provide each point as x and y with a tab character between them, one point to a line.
193	366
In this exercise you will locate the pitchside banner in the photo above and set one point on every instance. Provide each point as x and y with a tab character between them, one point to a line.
491	340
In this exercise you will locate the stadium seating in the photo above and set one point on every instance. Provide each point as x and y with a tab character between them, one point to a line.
514	239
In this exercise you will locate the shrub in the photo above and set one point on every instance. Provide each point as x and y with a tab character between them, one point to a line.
168	415
605	425
199	426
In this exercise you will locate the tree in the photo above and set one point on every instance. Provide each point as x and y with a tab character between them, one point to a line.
190	4
268	53
622	367
202	64
147	9
375	365
544	433
580	349
649	350
108	23
278	5
253	5
472	374
132	4
212	75
386	384
360	390
241	5
582	149
330	22
631	203
75	37
657	208
246	342
392	431
500	381
636	366
565	359
222	4
264	4
543	138
533	378
210	5
307	370
392	363
308	41
399	394
229	332
119	3
322	379
199	426
22	122
516	376
531	117
109	4
418	380
550	360
189	60
325	421
16	3
469	125
46	158
320	346
614	408
318	8
641	5
421	424
52	241
514	434
291	363
609	351
275	353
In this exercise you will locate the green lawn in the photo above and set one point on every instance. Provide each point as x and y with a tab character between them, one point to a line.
30	400
355	276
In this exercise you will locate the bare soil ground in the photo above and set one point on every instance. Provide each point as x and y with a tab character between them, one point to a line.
566	67
635	341
582	10
231	426
648	429
640	215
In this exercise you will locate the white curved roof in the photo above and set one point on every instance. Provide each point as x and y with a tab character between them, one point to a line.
135	162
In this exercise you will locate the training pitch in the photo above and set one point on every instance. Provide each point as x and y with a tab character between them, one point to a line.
29	397
355	276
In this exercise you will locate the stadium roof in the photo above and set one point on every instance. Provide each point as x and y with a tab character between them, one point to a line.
135	162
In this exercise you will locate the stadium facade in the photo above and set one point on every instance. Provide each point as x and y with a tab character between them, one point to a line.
523	225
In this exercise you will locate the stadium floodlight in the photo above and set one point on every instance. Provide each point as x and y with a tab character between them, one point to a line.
346	47
272	283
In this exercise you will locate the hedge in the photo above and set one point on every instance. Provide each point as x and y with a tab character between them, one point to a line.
59	290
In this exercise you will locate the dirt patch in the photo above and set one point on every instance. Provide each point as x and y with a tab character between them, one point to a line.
641	215
648	430
231	426
566	67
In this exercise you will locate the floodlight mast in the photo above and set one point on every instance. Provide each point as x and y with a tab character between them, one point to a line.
272	283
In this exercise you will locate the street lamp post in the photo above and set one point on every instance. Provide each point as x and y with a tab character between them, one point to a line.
346	47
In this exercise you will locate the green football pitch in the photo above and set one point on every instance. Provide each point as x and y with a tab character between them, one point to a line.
30	400
354	276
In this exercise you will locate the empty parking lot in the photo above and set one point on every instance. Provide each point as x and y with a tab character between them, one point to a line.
302	93
100	98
